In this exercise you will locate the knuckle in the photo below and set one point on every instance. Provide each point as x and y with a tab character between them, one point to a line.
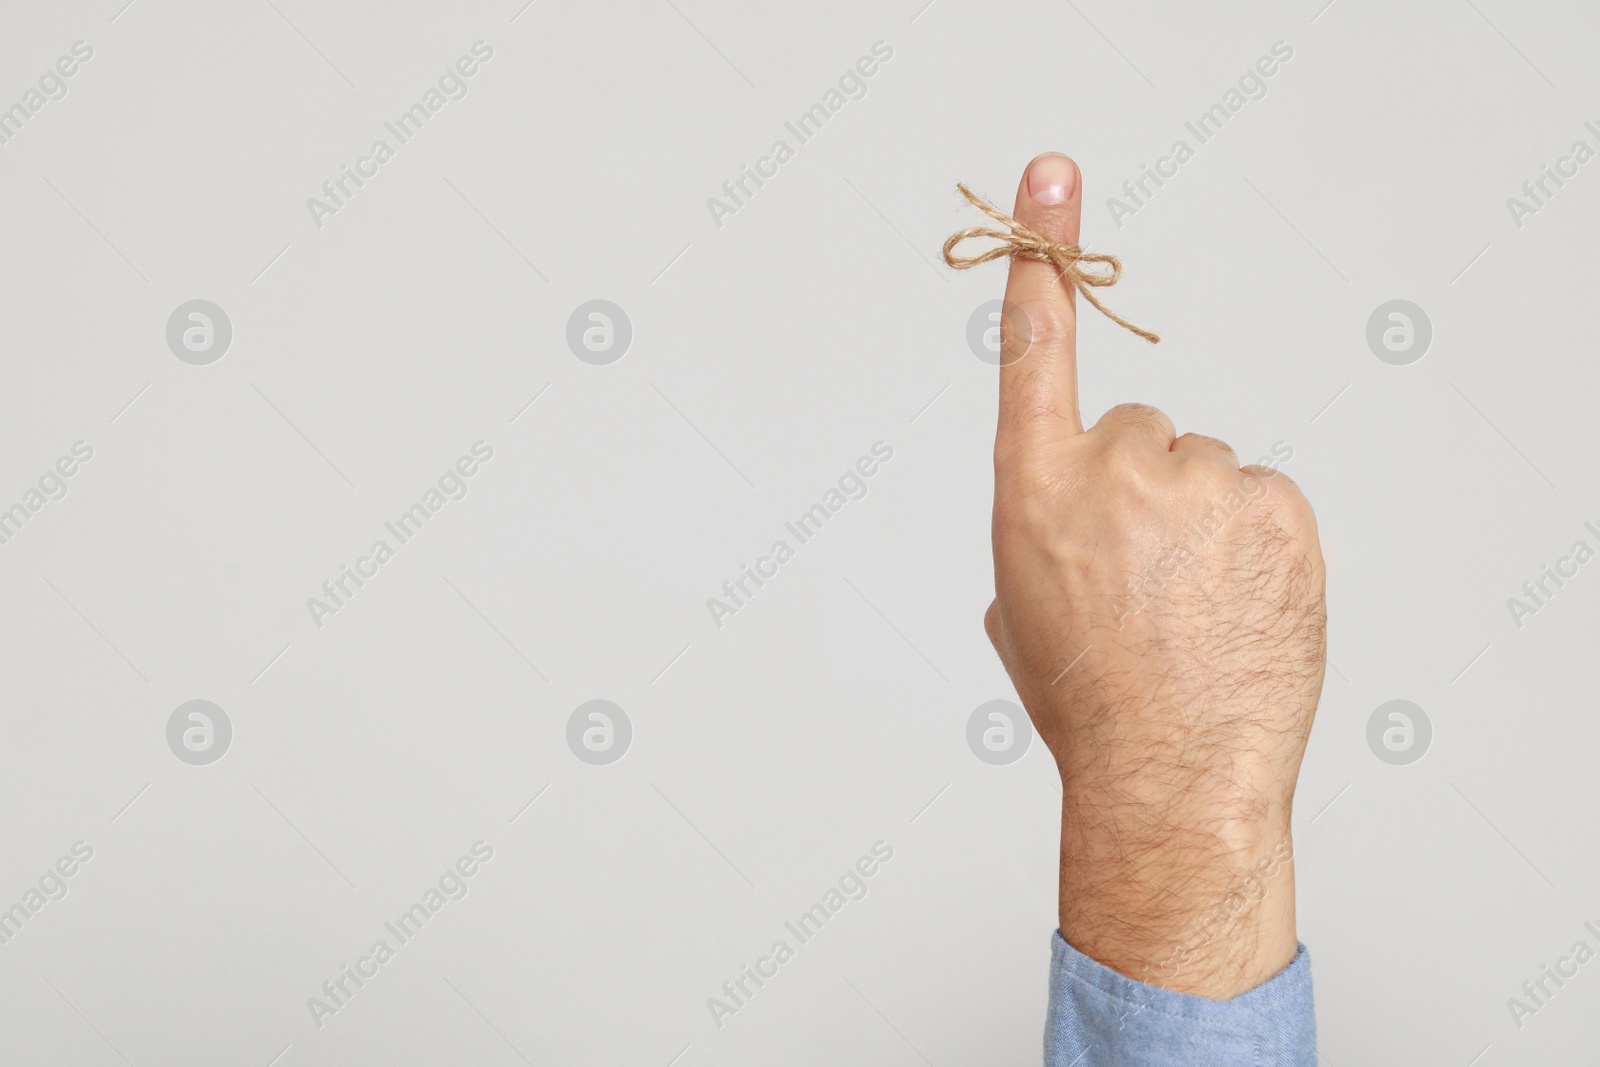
1138	415
1045	326
1283	493
1275	480
1135	411
1214	443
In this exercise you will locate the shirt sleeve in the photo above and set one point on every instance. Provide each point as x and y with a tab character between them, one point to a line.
1100	1018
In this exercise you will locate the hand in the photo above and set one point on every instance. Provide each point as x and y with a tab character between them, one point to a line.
1160	611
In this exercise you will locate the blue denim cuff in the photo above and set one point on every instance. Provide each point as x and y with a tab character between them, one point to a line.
1099	1018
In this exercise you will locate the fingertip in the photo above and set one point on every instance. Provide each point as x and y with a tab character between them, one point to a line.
1050	197
1052	179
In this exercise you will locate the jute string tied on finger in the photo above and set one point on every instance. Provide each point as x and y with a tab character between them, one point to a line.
1018	241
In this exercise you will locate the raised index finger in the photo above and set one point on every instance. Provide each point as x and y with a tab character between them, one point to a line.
1039	334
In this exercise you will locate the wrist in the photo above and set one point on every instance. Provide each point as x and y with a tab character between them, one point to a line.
1193	904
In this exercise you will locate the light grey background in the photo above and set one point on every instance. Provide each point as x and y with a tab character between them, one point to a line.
767	356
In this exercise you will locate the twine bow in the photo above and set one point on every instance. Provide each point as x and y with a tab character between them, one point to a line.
1020	242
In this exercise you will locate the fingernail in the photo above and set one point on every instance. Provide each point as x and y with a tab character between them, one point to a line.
1051	178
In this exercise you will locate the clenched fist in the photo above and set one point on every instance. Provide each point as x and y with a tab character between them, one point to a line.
1160	610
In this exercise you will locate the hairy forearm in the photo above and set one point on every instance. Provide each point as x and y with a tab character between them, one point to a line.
1208	912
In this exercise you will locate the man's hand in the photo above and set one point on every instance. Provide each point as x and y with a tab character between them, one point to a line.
1160	611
